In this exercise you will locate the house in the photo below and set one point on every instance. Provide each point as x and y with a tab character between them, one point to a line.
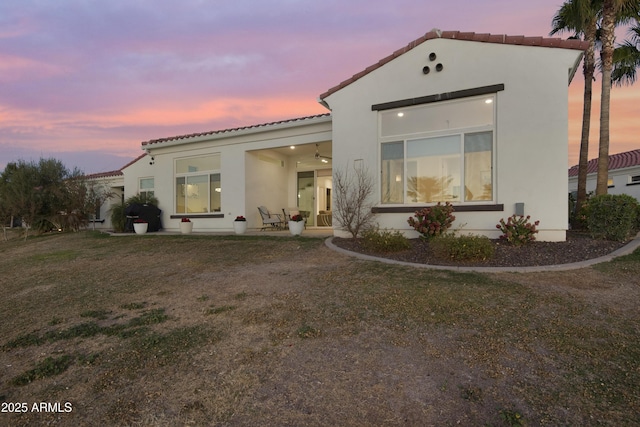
624	174
478	120
113	184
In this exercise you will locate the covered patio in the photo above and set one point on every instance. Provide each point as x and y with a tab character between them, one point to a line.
289	178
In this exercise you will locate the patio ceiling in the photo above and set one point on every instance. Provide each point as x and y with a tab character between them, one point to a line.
304	155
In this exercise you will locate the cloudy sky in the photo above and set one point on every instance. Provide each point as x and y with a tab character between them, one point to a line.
87	81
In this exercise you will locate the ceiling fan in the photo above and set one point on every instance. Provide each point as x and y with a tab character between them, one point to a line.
318	156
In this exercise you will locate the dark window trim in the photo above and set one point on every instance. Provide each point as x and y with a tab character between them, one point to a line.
197	216
461	208
465	93
633	183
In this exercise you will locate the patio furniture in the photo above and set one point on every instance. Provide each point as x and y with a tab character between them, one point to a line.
270	220
324	218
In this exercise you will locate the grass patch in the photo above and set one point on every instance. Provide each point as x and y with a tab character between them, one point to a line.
164	348
49	367
134	306
55	321
96	314
56	256
512	418
150	317
218	310
307	331
483	348
90	329
627	265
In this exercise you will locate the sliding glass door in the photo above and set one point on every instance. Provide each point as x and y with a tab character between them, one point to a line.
306	195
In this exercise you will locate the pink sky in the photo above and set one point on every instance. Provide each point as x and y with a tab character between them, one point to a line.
86	82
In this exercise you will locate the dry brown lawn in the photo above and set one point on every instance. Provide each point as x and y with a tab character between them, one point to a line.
234	331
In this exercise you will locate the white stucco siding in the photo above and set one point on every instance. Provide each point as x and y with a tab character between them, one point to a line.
252	172
106	185
531	129
621	182
135	171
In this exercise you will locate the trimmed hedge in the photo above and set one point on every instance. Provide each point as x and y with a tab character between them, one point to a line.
612	217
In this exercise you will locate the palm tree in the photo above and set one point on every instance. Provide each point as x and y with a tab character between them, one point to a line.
626	58
581	17
613	13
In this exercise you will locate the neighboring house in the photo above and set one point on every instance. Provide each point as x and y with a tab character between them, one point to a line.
478	120
624	174
113	183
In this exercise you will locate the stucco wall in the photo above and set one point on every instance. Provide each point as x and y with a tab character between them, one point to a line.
531	124
252	173
620	182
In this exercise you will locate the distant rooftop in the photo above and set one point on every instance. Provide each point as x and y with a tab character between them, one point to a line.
616	161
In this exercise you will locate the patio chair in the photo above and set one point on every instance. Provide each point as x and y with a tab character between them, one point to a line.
269	219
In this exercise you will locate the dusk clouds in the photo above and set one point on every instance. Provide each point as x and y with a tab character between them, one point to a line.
87	81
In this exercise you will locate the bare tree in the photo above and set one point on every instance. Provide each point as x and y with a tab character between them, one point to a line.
352	192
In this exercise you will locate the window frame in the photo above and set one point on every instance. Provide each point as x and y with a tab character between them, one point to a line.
207	178
460	133
146	191
633	180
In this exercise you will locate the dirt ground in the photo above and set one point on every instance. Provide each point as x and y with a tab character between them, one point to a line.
288	332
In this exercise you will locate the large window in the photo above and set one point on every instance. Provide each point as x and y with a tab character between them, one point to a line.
438	152
198	187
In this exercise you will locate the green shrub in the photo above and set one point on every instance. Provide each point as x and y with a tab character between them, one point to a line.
384	240
462	248
518	230
433	221
141	199
612	217
581	219
118	217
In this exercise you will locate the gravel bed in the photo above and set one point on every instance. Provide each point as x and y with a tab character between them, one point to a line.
577	247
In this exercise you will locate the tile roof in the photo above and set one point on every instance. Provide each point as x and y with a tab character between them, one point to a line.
104	174
232	130
116	172
616	161
473	37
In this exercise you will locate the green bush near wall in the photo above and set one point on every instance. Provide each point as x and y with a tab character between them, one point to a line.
384	240
612	217
462	248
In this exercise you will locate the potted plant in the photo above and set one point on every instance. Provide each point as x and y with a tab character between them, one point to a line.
296	225
140	226
186	226
240	225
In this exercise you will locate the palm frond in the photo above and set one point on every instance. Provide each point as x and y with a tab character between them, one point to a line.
626	60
